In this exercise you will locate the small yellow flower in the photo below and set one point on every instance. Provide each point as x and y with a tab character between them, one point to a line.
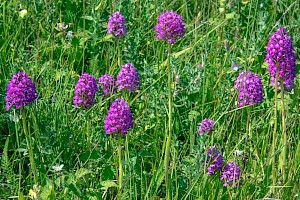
33	194
23	13
30	192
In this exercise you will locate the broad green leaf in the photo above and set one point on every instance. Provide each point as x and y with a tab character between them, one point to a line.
47	191
108	184
230	15
81	172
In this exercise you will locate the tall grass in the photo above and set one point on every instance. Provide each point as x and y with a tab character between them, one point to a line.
57	129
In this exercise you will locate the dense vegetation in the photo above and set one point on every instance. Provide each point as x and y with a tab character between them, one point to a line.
56	41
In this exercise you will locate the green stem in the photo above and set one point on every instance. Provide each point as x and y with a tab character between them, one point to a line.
119	53
120	167
275	132
83	50
283	132
29	145
168	143
88	133
247	128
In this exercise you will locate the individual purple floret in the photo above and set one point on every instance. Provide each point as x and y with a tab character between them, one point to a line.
169	27
107	82
280	56
231	174
20	91
116	25
206	126
119	118
249	87
128	78
85	91
214	160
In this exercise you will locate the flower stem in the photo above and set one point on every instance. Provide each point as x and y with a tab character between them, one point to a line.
29	145
119	53
88	124
168	143
275	130
283	131
247	128
120	167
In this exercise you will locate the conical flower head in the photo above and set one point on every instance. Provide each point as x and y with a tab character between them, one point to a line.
250	88
214	160
128	78
231	174
107	82
116	25
206	126
20	91
281	56
169	27
119	118
85	91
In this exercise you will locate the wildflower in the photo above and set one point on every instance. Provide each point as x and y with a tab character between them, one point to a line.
23	13
34	193
116	25
169	27
107	83
281	57
70	34
206	126
214	160
20	91
235	66
199	66
238	152
250	88
58	168
119	118
231	174
127	78
62	26
85	91
175	93
177	78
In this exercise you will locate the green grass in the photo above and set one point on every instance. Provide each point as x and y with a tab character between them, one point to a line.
57	130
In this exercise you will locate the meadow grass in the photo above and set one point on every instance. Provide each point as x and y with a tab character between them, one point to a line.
60	134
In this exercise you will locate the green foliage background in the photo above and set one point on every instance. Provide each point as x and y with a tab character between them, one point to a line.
34	45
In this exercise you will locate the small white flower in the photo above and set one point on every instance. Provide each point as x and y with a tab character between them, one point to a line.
57	168
238	152
261	5
62	26
70	34
235	66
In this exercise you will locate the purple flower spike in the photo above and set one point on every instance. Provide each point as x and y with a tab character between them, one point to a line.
250	88
206	126
280	56
119	118
169	27
128	78
85	91
107	83
116	25
231	174
214	160
20	91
